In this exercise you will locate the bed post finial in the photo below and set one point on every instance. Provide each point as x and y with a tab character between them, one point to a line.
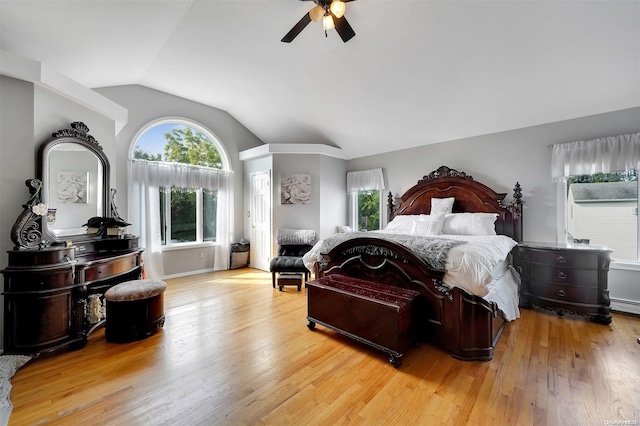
391	207
516	210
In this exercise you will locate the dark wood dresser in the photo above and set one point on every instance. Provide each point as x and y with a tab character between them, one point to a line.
47	292
566	278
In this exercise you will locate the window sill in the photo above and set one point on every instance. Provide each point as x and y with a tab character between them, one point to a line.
626	265
188	246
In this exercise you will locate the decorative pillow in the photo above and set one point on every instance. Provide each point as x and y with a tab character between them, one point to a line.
428	225
470	224
442	205
344	229
286	236
403	224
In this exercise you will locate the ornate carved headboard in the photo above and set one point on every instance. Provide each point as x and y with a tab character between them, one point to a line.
470	197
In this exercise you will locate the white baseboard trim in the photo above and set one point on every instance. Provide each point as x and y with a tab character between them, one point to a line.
626	306
186	274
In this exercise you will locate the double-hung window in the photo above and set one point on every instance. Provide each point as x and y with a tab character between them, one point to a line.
365	193
598	193
187	215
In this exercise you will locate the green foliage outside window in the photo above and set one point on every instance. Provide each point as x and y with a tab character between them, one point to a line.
631	175
183	215
368	210
191	147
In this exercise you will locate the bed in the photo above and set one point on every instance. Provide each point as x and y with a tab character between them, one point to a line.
462	310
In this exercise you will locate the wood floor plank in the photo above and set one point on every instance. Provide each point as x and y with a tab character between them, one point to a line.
235	351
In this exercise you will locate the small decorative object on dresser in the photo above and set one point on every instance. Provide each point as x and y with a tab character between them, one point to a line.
566	278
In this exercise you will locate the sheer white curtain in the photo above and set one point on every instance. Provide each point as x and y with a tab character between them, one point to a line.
145	180
604	155
365	180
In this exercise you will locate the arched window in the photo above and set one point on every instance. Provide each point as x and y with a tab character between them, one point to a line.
179	180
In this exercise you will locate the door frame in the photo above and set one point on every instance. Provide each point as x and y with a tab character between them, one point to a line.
260	254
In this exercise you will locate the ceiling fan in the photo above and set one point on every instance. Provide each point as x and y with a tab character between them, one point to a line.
331	13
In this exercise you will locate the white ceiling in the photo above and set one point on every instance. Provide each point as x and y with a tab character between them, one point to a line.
416	73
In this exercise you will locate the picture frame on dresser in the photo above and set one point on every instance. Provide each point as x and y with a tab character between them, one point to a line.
567	278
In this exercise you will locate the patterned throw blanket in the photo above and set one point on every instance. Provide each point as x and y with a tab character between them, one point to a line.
432	250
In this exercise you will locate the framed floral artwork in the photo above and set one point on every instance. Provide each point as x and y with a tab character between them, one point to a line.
72	187
295	189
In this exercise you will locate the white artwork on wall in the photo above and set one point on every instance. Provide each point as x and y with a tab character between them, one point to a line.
295	189
72	187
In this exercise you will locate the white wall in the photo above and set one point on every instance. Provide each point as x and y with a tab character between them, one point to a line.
146	105
328	187
502	159
333	195
327	209
17	154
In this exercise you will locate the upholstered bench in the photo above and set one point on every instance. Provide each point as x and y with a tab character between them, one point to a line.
379	315
134	310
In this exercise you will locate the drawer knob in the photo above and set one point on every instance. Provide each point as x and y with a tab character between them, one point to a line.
562	275
561	293
561	259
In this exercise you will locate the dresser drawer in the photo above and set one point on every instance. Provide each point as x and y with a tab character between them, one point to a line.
49	279
110	268
565	259
564	293
564	276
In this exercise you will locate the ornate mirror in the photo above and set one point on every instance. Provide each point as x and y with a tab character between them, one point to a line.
74	172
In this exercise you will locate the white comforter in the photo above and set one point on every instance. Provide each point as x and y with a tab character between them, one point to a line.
469	266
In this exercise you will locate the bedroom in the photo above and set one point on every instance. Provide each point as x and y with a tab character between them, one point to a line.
483	153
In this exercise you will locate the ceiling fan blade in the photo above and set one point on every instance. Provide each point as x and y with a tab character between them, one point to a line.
297	28
343	28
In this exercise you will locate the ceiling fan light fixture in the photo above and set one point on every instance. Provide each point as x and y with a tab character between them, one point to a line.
327	22
337	8
316	13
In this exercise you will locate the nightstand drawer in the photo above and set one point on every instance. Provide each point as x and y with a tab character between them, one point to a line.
565	259
564	276
564	293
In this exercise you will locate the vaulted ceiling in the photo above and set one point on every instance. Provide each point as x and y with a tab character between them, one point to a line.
416	73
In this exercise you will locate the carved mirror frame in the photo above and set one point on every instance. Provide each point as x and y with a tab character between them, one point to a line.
31	230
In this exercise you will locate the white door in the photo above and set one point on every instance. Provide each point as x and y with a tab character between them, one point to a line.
260	219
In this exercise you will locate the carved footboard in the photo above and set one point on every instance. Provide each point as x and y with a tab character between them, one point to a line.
467	326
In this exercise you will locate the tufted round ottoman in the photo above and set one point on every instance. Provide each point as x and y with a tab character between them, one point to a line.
135	310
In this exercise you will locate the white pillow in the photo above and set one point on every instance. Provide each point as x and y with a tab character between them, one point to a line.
442	205
470	224
403	224
344	229
428	225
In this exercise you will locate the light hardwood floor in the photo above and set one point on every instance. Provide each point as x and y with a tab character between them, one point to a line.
235	351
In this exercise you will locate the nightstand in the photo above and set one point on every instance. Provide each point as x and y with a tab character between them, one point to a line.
566	278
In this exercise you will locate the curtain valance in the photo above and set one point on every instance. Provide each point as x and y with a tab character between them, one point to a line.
603	155
365	180
166	174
